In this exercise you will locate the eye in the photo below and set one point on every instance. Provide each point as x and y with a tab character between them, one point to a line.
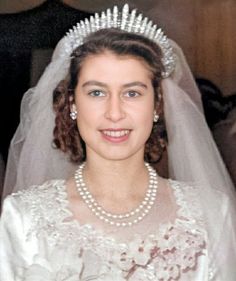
132	94
97	93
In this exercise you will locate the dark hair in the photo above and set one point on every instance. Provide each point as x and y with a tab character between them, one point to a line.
66	134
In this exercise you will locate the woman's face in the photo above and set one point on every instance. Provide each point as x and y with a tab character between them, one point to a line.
114	98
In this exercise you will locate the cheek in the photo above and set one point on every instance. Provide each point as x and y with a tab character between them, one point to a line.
148	123
144	119
88	119
148	117
85	118
84	108
147	111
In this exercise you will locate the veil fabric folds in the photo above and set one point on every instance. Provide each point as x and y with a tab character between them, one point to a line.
32	158
193	157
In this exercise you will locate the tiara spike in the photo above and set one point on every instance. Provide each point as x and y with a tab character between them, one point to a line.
103	20
152	31
108	16
137	26
124	17
128	21
87	26
143	25
131	21
83	32
115	16
158	32
97	22
70	30
148	28
92	24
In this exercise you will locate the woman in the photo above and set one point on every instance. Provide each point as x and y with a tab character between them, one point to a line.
115	218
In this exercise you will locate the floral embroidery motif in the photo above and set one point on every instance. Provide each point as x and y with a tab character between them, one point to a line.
165	255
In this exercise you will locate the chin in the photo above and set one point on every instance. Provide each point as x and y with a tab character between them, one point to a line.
116	152
121	154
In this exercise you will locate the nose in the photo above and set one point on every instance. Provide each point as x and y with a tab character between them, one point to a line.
115	109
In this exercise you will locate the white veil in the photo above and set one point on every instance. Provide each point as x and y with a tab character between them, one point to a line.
192	152
194	157
32	158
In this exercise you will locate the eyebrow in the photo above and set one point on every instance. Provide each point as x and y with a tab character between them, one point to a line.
135	83
94	83
97	83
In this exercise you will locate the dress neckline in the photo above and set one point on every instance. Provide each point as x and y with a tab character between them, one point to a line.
184	216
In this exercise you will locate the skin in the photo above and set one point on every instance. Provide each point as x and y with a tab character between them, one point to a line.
114	93
114	99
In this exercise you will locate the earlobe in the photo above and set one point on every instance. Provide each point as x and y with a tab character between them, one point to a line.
73	107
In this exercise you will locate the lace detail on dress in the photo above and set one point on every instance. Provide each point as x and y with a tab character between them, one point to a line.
46	206
79	252
190	209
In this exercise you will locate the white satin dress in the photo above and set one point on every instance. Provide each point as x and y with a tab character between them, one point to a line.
42	241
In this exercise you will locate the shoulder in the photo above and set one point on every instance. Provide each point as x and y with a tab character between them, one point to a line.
196	188
36	208
199	197
35	197
183	190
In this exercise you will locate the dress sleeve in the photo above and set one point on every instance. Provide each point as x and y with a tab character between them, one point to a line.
223	255
216	213
16	250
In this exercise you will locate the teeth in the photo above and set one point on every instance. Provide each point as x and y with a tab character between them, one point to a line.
116	134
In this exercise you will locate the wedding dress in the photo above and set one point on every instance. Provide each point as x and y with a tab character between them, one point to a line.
173	245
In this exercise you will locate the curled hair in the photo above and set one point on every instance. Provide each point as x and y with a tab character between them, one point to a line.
66	134
121	43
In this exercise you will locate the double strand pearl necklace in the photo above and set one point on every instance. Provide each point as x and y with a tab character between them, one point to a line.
119	220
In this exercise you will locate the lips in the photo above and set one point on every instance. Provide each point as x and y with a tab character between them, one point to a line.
115	135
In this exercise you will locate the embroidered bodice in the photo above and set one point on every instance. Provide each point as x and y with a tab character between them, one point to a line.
59	248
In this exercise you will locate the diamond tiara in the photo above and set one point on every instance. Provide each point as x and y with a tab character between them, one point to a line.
125	20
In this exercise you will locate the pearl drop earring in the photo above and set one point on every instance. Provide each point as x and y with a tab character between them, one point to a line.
73	115
73	112
155	117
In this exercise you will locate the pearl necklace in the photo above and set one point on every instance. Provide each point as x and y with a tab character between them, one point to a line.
119	220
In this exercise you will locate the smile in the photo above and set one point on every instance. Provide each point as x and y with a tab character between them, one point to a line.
116	133
116	136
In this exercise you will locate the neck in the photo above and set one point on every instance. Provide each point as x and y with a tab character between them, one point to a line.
119	179
110	208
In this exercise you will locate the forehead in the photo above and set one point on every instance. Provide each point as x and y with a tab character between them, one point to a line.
108	65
